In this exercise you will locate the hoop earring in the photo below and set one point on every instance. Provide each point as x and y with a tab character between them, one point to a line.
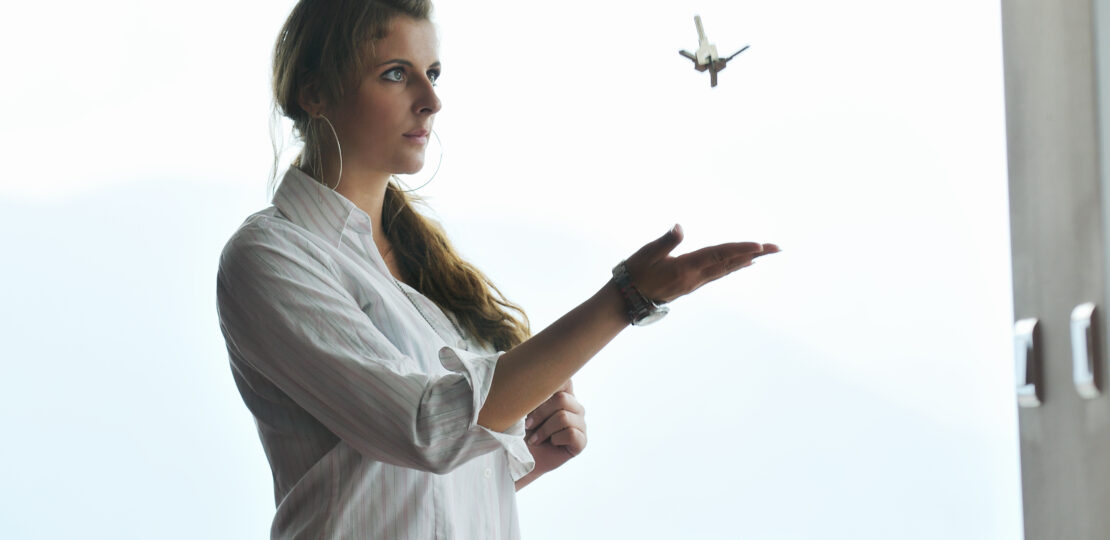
440	162
338	148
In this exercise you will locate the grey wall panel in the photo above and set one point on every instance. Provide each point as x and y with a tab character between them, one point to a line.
1058	256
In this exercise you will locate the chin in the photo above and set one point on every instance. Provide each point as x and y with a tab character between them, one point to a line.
408	170
411	167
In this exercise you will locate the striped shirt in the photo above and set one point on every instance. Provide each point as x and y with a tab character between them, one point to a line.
365	395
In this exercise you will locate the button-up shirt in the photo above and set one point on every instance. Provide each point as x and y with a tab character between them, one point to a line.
365	394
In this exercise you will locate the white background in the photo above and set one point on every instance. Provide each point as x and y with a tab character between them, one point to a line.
857	385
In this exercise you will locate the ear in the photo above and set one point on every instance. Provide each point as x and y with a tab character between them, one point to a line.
310	99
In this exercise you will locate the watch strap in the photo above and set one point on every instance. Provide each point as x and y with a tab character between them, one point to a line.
641	310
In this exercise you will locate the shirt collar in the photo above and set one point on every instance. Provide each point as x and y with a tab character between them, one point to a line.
315	207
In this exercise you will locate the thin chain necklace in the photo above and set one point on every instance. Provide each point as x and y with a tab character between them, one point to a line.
416	306
426	319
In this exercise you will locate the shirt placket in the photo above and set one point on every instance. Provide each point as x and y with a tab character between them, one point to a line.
442	525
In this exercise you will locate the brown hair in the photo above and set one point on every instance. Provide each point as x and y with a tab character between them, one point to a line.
328	42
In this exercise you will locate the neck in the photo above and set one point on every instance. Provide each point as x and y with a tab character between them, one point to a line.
364	188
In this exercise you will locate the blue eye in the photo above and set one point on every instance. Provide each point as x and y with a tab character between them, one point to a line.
399	72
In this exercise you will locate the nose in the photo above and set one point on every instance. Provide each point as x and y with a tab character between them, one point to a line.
428	102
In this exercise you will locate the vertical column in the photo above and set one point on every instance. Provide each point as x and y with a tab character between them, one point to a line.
1057	210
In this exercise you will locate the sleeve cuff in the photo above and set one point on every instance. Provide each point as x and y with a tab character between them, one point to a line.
478	371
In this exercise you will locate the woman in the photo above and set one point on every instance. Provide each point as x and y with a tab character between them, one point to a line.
370	354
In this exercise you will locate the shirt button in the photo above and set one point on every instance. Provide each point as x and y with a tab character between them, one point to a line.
488	472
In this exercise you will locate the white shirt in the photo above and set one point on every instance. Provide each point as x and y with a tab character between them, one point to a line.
365	395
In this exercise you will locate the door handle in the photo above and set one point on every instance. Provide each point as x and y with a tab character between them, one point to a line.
1084	352
1027	379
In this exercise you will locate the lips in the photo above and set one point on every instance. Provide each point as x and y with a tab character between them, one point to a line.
418	137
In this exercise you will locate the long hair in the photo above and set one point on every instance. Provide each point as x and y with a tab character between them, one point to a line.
328	43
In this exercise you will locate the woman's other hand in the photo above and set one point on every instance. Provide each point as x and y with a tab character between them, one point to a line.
556	430
662	278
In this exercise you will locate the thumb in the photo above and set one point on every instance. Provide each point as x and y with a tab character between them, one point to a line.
660	247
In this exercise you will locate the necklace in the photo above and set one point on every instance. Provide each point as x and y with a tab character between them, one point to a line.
397	282
429	321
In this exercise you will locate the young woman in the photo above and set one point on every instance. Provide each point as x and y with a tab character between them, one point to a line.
372	357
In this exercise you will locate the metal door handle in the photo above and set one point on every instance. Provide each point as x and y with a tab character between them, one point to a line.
1084	353
1026	365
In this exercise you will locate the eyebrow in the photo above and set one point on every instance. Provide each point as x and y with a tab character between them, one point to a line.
404	62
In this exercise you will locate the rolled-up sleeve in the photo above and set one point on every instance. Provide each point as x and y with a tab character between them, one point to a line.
285	314
478	370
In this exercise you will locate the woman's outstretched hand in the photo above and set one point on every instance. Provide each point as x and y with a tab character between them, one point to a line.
528	375
662	278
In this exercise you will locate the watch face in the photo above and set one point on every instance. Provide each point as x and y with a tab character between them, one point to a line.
652	317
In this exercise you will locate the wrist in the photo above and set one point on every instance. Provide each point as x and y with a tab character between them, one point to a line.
639	310
526	479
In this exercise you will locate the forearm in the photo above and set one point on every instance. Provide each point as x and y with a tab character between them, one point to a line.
525	480
532	371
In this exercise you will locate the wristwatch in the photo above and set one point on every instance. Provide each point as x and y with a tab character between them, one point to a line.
641	311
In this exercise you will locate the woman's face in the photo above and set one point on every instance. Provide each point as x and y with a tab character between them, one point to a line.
385	124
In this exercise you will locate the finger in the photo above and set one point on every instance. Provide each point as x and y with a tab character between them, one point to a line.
555	423
722	255
660	247
572	439
721	268
721	251
725	268
558	401
769	249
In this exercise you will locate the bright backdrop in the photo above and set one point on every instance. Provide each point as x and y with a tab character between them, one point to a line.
856	386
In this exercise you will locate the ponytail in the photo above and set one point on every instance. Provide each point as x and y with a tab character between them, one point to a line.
429	262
